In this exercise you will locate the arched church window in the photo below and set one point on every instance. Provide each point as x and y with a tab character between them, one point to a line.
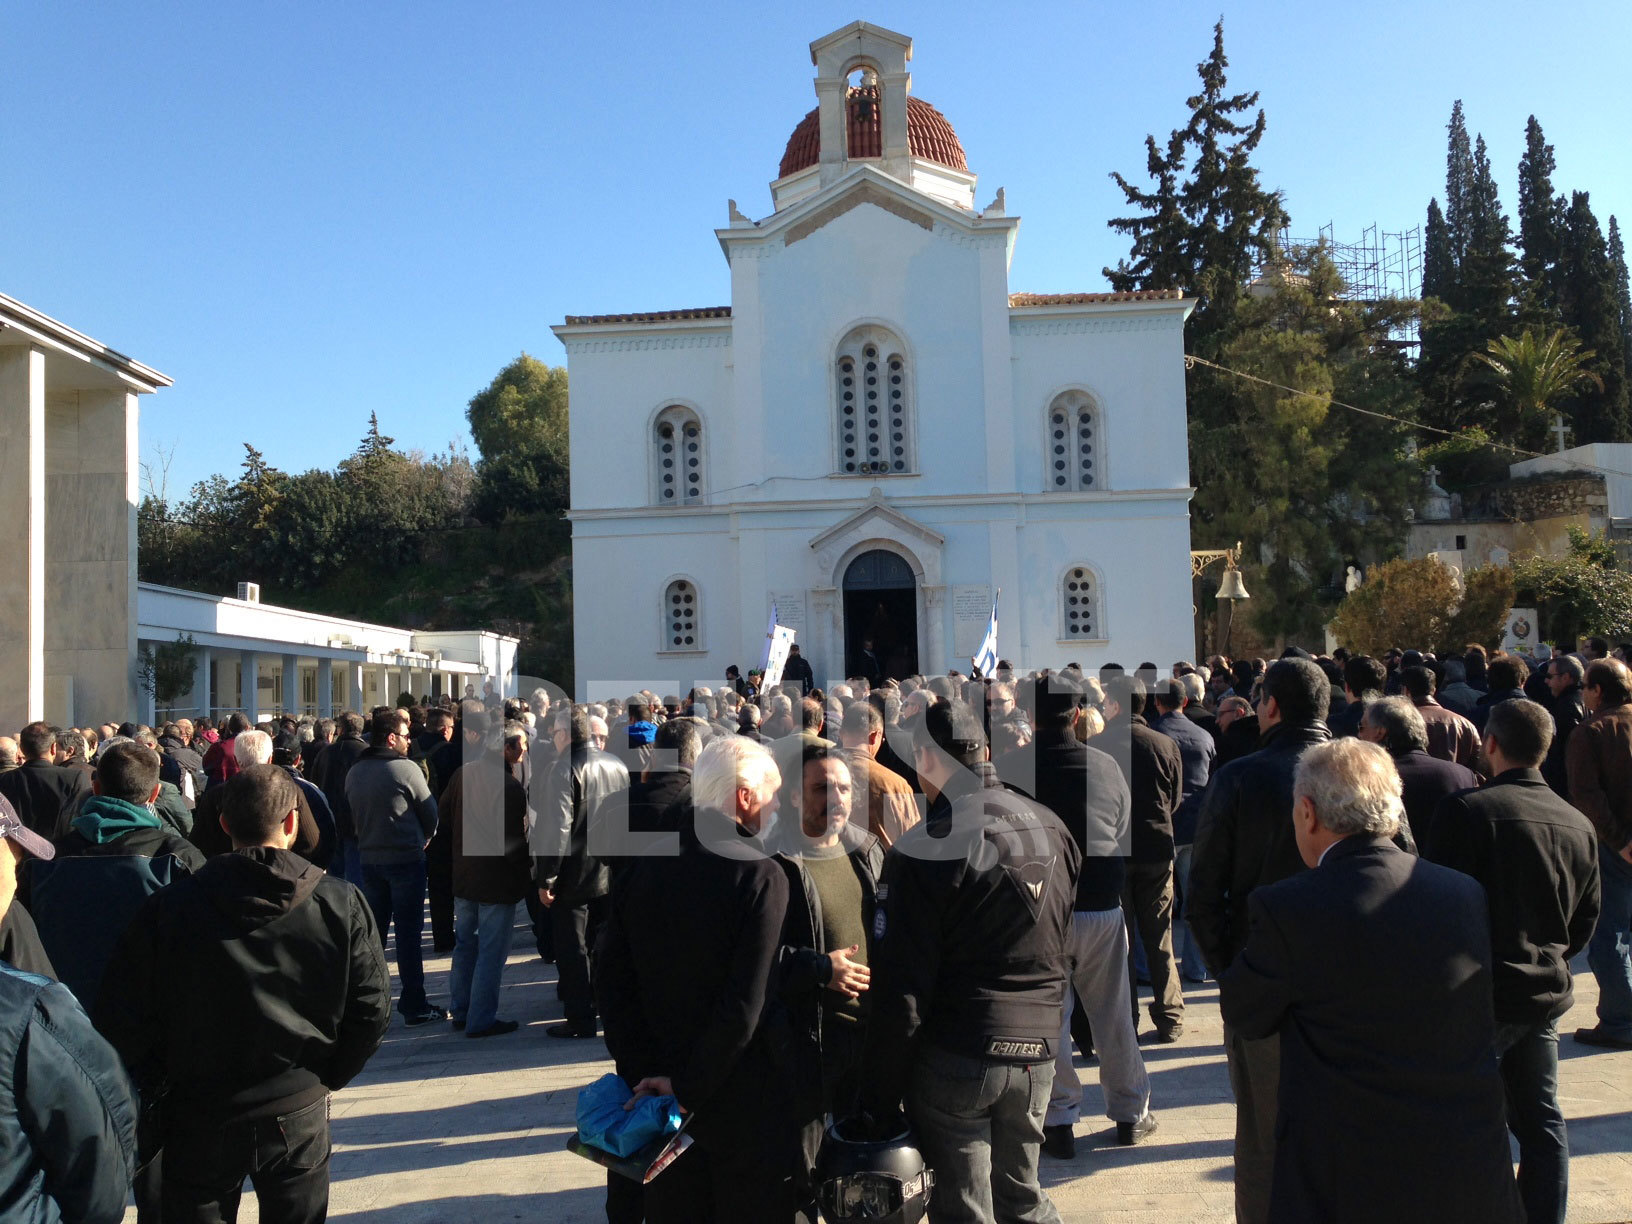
677	457
874	385
1075	456
1079	604
682	616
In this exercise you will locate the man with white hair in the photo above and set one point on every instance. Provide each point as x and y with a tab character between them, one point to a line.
683	990
1375	969
573	879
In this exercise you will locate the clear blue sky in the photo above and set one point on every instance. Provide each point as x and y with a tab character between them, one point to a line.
305	212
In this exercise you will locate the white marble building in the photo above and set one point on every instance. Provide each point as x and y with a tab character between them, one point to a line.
877	433
263	660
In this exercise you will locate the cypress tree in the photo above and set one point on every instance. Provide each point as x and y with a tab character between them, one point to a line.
1438	267
1539	224
1591	306
1458	183
1623	293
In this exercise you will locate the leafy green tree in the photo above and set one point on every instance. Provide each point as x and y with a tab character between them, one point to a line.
519	422
1469	457
1535	371
1579	594
1159	229
1307	486
1591	306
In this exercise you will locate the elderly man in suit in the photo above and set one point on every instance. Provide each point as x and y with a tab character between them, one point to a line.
1375	969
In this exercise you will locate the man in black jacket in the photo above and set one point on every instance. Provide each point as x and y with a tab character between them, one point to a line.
1374	969
573	880
971	948
1566	703
1244	841
1084	788
338	758
1397	724
1537	859
40	790
247	994
1154	770
683	978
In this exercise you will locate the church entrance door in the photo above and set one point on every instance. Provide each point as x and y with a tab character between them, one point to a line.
880	617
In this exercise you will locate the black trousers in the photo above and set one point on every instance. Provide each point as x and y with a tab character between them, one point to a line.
286	1159
439	887
543	927
576	927
723	1183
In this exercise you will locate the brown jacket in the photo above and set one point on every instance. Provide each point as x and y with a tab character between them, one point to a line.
1450	736
892	808
1598	760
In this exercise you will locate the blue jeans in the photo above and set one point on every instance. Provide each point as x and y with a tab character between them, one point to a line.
396	894
1529	1058
347	862
1185	950
1609	951
980	1127
481	946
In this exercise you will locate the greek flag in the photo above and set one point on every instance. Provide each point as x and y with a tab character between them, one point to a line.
985	659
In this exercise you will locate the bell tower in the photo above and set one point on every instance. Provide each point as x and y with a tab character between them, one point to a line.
884	54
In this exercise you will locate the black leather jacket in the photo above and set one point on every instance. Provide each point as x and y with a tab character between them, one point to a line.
577	785
1244	838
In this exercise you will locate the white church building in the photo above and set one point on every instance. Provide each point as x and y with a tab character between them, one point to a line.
877	434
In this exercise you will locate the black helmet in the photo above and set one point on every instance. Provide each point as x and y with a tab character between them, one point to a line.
860	1177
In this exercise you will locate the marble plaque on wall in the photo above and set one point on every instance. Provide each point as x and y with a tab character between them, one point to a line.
971	609
790	610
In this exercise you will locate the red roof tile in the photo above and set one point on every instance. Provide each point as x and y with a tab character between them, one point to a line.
929	135
652	316
1091	299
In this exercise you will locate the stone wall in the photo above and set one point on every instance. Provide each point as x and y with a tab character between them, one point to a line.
1539	497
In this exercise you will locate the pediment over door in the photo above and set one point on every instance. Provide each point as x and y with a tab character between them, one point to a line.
875	524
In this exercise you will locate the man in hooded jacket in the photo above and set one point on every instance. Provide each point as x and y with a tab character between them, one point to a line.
246	994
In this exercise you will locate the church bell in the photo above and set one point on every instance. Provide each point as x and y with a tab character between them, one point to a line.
1232	588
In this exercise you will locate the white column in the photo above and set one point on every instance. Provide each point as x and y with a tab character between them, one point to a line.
22	511
354	687
91	467
291	685
325	688
249	685
200	694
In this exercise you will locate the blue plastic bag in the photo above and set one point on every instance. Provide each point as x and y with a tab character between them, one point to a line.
606	1124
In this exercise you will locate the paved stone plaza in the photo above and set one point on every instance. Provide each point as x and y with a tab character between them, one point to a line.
441	1129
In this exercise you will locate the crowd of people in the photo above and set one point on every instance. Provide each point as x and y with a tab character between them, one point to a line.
842	915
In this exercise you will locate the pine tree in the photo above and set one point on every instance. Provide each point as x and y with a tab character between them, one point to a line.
1205	234
1591	306
1539	225
1234	221
1159	230
1623	292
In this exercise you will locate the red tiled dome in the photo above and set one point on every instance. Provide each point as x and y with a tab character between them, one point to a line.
929	135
